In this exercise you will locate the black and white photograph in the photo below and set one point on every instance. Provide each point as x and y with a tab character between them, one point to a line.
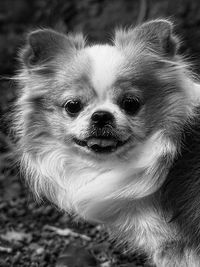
99	133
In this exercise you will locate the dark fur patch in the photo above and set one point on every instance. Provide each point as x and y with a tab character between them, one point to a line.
162	98
180	193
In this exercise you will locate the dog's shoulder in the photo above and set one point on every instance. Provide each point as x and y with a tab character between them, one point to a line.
181	190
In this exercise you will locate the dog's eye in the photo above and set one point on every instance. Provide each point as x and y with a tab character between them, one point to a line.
73	106
130	105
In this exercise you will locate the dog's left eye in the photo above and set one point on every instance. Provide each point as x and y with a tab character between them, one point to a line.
73	106
130	105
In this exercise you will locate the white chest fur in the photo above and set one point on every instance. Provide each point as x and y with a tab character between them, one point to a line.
141	224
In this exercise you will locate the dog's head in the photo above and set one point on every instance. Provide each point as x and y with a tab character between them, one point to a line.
91	115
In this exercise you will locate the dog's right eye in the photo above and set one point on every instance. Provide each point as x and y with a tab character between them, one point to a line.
73	107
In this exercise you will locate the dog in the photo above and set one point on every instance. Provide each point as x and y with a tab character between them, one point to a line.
110	133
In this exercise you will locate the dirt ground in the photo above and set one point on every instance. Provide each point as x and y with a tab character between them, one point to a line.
37	234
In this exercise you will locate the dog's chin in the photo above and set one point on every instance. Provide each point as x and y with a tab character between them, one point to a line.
101	145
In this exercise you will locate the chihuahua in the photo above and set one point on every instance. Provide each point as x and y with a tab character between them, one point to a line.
111	133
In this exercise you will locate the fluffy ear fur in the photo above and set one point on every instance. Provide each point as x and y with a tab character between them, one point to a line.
156	35
43	46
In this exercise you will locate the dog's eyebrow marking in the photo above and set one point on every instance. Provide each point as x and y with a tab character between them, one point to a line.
81	81
82	84
79	86
125	84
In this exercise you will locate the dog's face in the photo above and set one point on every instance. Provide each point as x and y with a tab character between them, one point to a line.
109	106
101	110
103	100
103	104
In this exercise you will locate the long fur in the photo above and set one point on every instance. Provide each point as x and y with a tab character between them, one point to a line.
147	192
181	190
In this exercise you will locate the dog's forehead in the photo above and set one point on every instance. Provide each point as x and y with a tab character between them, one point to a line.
105	61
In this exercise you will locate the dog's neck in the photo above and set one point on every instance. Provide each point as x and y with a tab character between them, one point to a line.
126	181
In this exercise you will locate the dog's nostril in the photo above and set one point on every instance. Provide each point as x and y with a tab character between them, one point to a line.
102	117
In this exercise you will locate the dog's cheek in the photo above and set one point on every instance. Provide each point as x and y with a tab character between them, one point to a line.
79	127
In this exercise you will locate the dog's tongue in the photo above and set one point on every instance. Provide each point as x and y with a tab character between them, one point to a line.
102	142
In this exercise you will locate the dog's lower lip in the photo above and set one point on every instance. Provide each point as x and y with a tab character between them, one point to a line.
100	144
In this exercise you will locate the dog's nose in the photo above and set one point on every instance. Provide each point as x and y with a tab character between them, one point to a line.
101	118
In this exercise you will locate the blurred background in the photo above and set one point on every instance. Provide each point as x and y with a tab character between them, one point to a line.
39	235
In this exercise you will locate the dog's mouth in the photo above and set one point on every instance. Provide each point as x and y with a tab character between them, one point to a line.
101	144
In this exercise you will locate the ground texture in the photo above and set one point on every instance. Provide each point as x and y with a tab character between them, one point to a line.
34	234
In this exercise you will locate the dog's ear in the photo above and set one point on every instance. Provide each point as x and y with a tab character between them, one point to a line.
42	46
156	35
